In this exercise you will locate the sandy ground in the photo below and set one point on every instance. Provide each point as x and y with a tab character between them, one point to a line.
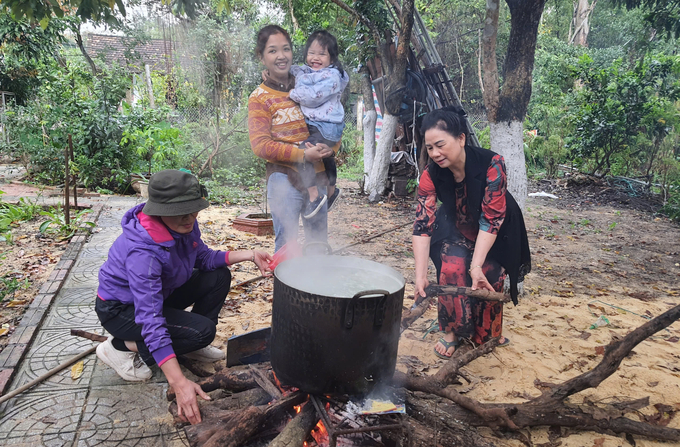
589	260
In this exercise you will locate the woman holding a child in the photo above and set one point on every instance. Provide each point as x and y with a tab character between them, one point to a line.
299	165
475	238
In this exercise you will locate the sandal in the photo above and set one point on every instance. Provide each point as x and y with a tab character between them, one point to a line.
502	344
448	345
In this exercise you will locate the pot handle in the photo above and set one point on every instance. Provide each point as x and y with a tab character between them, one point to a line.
379	310
329	250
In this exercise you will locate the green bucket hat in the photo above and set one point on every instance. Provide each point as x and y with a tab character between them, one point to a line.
175	193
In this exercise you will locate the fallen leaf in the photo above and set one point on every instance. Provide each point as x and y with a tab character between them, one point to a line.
4	331
77	370
599	350
598	442
16	303
673	339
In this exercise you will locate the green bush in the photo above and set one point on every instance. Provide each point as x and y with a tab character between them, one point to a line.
350	157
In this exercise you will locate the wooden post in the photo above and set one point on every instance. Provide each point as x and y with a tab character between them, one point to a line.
67	200
75	179
149	86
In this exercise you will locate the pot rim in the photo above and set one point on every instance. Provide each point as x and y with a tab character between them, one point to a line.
288	272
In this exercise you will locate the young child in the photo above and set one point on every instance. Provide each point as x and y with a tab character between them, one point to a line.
318	87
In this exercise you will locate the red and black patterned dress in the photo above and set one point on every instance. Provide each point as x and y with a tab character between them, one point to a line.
465	316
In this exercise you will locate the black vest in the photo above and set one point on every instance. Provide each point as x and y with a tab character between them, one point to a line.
511	249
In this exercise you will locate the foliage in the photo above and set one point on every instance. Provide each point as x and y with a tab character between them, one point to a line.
350	158
9	284
23	51
11	215
56	223
661	14
155	141
615	103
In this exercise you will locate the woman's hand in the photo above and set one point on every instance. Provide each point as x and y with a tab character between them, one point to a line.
317	152
479	280
262	260
185	392
187	404
421	285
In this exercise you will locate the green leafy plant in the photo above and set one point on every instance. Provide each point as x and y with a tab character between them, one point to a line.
9	284
56	223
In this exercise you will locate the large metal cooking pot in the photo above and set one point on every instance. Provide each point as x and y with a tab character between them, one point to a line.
335	323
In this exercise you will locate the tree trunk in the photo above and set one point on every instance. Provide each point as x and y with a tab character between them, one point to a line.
377	180
396	81
506	106
507	139
368	122
581	22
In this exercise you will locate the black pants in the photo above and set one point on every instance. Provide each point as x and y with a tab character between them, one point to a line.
307	173
189	331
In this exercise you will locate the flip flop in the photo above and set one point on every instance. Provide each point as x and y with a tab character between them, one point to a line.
504	343
447	345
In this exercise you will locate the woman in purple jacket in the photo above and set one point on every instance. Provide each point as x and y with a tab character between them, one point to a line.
157	268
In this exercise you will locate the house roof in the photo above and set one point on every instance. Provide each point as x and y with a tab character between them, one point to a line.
128	52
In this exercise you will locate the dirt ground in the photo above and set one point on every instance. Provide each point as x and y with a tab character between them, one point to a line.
596	251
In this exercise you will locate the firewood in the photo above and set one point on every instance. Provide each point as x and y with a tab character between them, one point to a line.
246	423
230	379
298	429
265	383
550	408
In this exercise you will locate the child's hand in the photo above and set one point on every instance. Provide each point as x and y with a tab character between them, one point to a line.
265	75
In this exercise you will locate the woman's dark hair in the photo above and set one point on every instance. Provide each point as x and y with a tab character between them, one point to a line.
329	42
265	33
450	119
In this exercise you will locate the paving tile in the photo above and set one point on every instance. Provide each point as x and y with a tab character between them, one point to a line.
105	376
32	368
76	296
73	316
59	343
84	274
42	419
128	415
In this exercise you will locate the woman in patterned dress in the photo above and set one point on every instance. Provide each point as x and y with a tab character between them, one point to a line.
475	238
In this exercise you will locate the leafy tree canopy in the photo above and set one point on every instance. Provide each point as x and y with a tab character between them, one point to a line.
664	15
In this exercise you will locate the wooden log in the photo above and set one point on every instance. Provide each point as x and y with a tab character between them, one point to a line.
243	426
428	426
234	379
197	368
484	295
297	430
220	404
411	315
265	383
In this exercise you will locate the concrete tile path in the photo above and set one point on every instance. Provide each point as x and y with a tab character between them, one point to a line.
99	408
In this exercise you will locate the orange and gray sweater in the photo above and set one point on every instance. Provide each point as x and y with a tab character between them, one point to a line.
277	127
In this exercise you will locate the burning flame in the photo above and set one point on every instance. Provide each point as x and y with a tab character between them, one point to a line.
298	408
320	434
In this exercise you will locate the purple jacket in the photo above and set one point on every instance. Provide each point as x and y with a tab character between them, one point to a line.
145	265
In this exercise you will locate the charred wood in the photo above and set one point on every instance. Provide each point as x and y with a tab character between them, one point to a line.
235	431
230	379
298	429
262	379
